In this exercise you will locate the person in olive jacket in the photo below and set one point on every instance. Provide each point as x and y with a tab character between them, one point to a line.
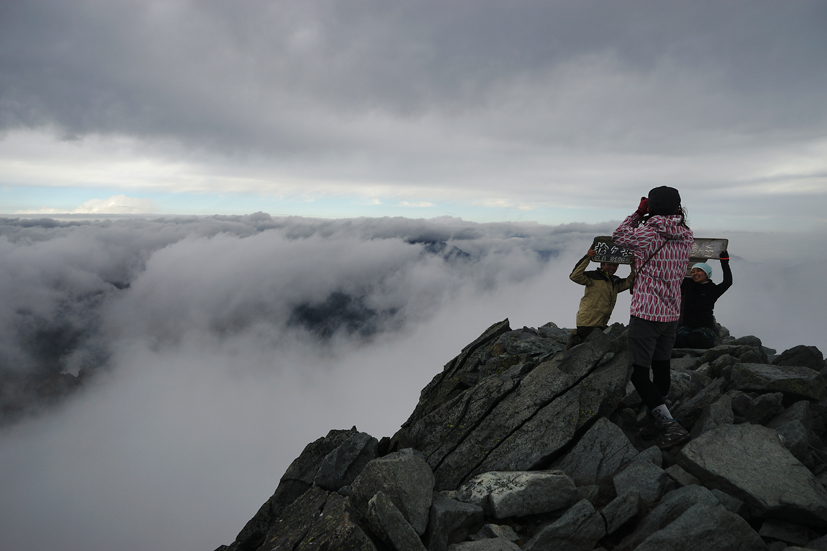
596	306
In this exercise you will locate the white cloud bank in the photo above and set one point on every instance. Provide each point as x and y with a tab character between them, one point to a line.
224	345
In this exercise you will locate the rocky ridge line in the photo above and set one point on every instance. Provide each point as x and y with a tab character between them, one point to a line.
519	444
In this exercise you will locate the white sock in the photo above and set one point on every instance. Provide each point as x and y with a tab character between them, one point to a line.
661	413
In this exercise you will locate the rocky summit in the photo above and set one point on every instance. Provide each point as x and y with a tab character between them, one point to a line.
520	444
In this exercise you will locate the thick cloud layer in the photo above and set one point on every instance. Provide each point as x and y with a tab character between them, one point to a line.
216	348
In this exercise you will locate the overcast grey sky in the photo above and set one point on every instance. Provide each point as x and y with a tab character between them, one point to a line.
533	110
464	120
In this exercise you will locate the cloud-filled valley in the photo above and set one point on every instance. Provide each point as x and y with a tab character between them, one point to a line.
212	349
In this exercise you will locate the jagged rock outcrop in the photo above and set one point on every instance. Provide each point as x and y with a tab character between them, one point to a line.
521	444
749	462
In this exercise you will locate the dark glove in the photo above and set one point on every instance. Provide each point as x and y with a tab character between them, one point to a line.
724	256
643	208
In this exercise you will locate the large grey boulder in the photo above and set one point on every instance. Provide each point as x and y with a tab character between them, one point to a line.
643	478
461	451
681	384
716	414
801	355
579	529
621	510
405	478
672	506
795	424
510	494
452	521
800	412
705	527
493	544
445	429
490	531
453	379
794	381
750	463
711	354
318	519
297	479
541	439
598	455
544	341
341	466
388	523
689	412
652	454
788	532
818	544
764	408
681	477
733	504
796	438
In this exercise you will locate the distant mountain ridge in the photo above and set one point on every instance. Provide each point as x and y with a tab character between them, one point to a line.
520	444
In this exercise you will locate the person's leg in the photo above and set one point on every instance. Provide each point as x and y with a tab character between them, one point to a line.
645	388
578	336
584	331
574	339
662	376
702	338
682	336
672	433
661	357
642	336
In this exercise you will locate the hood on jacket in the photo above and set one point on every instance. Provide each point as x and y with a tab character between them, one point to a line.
669	226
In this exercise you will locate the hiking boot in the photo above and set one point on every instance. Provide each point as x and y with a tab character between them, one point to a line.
650	431
653	429
671	434
574	340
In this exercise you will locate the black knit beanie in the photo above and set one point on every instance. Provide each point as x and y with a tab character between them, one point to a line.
664	200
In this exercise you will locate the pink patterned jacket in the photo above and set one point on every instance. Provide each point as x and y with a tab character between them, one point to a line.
657	289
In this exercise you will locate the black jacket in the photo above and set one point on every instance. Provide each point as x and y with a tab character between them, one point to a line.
699	299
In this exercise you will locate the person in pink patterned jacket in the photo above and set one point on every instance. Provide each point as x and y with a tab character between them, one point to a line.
661	241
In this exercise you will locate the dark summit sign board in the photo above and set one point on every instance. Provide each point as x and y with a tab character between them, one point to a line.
703	249
706	248
607	251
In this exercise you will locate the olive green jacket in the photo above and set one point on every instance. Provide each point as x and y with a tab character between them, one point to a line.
601	294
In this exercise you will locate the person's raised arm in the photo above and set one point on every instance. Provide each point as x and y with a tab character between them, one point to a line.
578	275
624	235
627	283
727	282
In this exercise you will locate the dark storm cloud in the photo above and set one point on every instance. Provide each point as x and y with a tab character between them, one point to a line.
325	76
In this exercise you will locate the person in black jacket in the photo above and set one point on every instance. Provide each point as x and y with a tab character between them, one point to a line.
697	328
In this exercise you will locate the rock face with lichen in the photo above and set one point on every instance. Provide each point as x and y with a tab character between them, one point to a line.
520	444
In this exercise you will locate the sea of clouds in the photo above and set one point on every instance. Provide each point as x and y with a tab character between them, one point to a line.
214	349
